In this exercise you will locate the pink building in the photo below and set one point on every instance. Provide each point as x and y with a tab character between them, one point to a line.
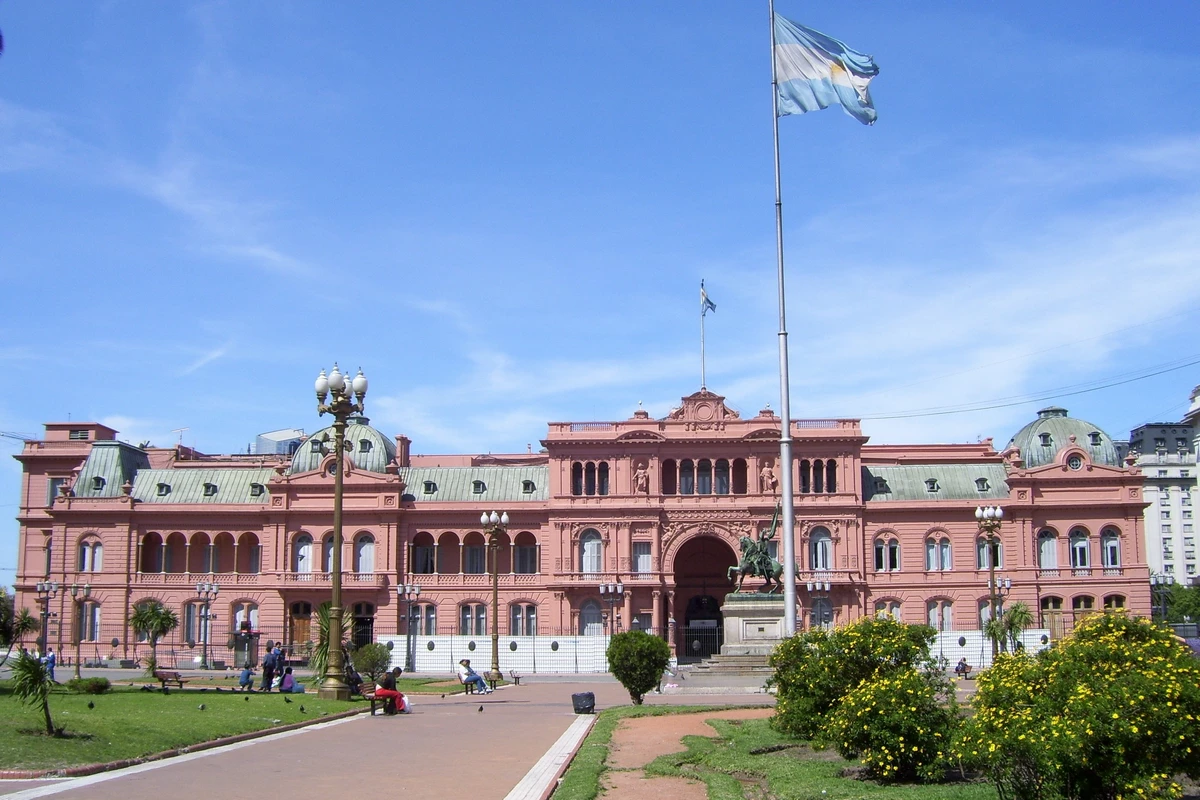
657	505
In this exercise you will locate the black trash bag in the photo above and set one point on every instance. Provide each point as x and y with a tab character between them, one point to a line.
584	702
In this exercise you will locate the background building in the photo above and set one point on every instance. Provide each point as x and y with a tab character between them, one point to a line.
658	506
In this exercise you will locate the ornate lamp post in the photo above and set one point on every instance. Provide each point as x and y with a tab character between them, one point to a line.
79	594
207	592
408	592
46	591
611	594
339	392
1160	588
495	525
989	519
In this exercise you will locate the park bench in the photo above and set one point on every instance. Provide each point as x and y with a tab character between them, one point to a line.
470	686
164	677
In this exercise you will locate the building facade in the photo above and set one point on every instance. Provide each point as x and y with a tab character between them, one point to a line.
658	506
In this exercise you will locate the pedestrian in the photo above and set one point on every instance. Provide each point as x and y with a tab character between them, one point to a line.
246	679
50	659
469	676
269	664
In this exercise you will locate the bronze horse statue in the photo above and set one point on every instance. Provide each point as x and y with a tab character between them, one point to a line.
757	561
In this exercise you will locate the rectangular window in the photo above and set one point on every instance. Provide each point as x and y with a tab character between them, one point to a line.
1164	514
474	560
78	435
527	559
52	489
1187	515
1164	499
423	560
641	557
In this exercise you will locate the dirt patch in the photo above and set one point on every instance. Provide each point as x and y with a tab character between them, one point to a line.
639	740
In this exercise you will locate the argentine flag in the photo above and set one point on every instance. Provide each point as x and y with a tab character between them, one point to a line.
814	71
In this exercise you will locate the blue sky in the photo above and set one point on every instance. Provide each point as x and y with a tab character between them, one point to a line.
503	211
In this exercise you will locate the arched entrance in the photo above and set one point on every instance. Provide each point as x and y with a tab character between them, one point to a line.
701	583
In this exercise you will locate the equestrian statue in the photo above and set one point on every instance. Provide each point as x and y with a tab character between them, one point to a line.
757	561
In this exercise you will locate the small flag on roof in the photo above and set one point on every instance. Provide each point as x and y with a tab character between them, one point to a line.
706	305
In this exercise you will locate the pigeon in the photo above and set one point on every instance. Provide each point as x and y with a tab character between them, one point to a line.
247	698
287	699
204	689
219	689
443	697
91	704
481	709
301	709
201	706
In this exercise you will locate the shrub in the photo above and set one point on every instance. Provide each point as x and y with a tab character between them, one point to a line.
900	724
89	685
372	660
816	669
637	659
1112	711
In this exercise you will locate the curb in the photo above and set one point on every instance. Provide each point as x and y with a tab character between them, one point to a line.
92	769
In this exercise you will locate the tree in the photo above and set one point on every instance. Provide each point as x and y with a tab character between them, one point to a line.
318	662
638	659
21	625
1016	619
372	660
150	618
1112	710
814	670
31	684
1183	605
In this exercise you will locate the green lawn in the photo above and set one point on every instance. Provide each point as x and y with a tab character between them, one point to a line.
779	767
127	723
229	680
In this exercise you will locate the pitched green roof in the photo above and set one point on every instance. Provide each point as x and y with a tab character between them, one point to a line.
457	484
108	466
953	481
229	485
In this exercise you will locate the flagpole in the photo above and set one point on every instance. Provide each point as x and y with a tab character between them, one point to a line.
703	309
785	436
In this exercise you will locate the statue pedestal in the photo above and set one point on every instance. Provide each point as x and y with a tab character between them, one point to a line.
753	623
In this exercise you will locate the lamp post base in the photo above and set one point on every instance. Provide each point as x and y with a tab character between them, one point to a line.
334	691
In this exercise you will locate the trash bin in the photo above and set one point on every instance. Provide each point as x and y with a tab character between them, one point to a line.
584	702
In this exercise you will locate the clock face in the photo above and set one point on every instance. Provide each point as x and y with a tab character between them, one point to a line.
1075	462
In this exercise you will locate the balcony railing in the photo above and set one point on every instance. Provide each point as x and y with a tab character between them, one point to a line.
474	579
190	578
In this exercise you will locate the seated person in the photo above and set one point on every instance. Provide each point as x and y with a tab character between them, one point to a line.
962	668
353	679
469	676
393	700
246	679
288	683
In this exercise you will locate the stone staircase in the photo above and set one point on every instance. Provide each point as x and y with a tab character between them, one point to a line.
729	674
748	665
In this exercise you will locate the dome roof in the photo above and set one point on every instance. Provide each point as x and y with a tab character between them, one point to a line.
1042	440
367	448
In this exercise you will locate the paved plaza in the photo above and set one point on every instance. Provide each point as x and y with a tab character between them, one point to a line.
446	748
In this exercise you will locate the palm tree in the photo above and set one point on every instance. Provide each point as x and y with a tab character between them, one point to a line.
31	684
153	620
1016	619
318	662
994	630
23	624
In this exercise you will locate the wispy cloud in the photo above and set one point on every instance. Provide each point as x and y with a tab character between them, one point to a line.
206	358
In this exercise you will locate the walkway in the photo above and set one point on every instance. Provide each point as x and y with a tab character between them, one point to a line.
446	748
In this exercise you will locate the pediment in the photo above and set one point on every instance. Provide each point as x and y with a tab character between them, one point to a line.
762	434
703	408
641	436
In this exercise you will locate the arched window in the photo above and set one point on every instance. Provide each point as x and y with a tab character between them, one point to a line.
577	478
364	553
602	479
522	618
1052	616
831	476
820	614
591	619
741	479
526	552
937	555
302	555
704	470
151	560
888	608
820	549
1080	549
472	619
1114	602
423	554
887	554
985	609
1083	604
195	624
589	478
249	554
1047	549
88	621
818	476
474	554
199	549
940	613
327	553
989	552
245	612
590	552
805	477
363	627
91	556
669	474
687	477
425	619
721	477
1110	548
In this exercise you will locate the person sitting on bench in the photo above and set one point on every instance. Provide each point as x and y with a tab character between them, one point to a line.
962	668
393	701
470	676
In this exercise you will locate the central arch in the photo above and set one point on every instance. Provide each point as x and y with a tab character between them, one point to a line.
701	583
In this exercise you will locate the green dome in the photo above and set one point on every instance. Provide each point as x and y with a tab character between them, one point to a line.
367	448
1042	440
